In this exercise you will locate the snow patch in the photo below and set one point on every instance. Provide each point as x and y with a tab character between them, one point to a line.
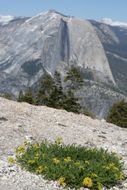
6	19
113	23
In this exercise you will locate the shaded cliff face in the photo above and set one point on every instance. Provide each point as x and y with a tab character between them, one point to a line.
49	41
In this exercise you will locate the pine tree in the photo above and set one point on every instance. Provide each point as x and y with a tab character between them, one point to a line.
57	95
74	77
26	97
46	87
71	103
57	79
118	114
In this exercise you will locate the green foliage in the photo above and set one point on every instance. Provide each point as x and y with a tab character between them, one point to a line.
7	96
46	86
118	114
71	104
51	93
72	166
26	97
21	96
75	78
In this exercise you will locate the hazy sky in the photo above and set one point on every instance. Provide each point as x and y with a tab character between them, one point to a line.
89	9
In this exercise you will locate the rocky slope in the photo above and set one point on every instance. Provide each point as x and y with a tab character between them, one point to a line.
21	121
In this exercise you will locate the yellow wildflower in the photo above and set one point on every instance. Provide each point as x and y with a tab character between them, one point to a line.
87	182
77	163
56	161
87	162
36	145
68	159
59	141
21	149
40	169
61	181
11	160
31	162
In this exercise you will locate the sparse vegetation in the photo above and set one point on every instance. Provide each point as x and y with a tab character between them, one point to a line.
118	114
70	165
51	93
27	96
7	96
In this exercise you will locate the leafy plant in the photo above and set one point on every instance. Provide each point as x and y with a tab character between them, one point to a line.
70	165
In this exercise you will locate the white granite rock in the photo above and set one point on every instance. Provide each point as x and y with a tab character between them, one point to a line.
21	121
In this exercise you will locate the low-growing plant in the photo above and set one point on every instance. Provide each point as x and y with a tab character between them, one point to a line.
72	166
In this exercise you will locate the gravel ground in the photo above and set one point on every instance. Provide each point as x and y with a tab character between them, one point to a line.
21	121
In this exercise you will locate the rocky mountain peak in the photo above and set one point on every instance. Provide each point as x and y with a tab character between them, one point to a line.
52	38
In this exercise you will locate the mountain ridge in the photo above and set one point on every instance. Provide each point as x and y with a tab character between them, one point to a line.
50	41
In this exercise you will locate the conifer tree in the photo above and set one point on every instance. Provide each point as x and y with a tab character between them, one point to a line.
27	96
46	87
118	114
74	77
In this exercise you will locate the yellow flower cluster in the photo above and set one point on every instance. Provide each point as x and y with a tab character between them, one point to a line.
68	159
41	169
31	162
21	149
59	141
87	182
11	160
61	181
35	146
56	160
